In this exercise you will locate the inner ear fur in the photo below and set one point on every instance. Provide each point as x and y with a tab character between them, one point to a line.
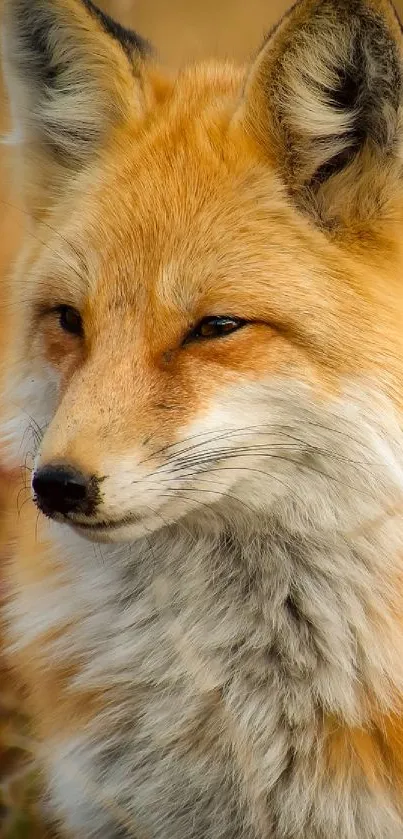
72	72
323	99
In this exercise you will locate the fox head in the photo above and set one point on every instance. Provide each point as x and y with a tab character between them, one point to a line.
212	265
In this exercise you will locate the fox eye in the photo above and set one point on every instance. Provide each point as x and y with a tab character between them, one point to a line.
70	320
214	327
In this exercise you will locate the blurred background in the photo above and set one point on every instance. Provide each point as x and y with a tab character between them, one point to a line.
181	31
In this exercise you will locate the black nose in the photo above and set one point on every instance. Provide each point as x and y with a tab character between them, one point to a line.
62	489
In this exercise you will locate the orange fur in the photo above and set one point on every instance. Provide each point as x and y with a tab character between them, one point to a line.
184	196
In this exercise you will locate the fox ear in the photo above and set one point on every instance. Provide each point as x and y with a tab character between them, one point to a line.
71	72
324	99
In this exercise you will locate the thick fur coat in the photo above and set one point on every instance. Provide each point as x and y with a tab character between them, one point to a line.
206	393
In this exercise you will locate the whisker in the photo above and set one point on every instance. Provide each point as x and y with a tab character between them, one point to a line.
266	429
236	455
36	526
258	451
184	498
175	490
19	509
229	469
24	468
34	428
211	437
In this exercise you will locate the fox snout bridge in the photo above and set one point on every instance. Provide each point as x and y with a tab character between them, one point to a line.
60	488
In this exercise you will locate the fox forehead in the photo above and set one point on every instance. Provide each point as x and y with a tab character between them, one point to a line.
156	203
183	218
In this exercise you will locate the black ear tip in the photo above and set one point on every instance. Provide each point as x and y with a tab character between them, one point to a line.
375	80
129	40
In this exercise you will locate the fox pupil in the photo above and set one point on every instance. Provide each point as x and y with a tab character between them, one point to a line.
215	327
70	320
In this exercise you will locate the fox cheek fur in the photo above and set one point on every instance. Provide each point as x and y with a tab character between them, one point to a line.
206	369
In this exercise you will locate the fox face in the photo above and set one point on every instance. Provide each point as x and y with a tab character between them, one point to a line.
209	259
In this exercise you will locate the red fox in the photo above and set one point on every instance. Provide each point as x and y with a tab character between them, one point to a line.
205	388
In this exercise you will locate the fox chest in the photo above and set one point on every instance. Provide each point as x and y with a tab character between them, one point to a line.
156	722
